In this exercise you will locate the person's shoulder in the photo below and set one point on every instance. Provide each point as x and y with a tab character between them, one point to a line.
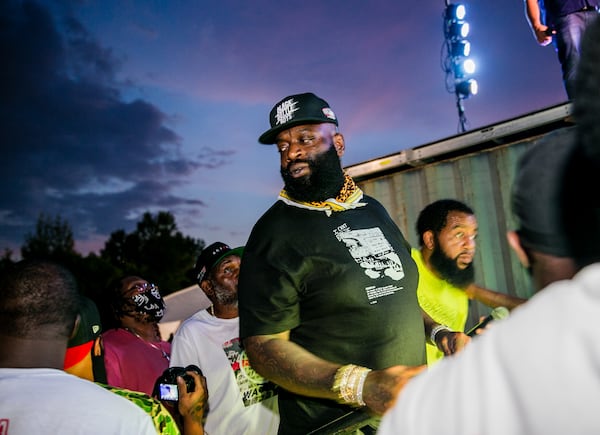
107	399
278	210
275	208
116	337
32	374
115	332
587	278
145	402
82	398
370	201
198	328
193	322
266	219
375	206
367	197
273	223
87	389
119	342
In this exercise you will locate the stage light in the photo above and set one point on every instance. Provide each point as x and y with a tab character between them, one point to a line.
458	30
456	62
456	11
468	66
466	88
460	48
463	67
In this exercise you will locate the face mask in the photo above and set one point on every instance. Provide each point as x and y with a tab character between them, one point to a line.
146	301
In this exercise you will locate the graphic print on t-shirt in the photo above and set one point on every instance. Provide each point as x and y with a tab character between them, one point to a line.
372	251
254	387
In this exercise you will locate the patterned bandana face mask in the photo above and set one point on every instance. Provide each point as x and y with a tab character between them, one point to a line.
146	304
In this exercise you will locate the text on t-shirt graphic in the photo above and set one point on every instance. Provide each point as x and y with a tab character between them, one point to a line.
254	387
373	252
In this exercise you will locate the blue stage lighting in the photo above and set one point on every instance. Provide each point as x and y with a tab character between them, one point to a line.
456	11
458	30
466	88
460	48
463	67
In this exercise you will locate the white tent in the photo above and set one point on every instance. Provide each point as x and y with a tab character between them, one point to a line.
181	305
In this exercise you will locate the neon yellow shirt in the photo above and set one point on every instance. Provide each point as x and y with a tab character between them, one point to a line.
445	303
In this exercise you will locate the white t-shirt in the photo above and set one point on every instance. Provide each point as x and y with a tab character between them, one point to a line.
239	400
537	372
51	401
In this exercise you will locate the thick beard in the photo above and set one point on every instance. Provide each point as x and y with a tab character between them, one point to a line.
224	296
324	181
446	267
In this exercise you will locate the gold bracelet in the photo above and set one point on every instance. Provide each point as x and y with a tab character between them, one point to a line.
348	384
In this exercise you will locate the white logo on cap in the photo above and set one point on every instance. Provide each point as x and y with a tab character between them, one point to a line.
328	113
285	111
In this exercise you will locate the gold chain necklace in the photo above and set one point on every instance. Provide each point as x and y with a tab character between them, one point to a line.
164	354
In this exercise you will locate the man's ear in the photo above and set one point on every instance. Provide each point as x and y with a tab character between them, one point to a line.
206	286
428	240
515	243
339	144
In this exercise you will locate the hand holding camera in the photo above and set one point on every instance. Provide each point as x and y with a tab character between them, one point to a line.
184	391
166	388
193	404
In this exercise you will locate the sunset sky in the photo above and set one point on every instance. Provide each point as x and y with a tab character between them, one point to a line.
113	108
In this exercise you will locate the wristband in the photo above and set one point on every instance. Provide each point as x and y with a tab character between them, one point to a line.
437	329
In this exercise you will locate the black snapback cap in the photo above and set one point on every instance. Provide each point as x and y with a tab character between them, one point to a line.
211	256
297	109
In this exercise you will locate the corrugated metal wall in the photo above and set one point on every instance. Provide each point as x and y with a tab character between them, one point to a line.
483	180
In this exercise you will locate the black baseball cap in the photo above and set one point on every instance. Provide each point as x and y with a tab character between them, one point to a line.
294	110
211	256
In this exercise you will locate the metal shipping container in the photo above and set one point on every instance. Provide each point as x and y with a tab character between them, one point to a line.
477	168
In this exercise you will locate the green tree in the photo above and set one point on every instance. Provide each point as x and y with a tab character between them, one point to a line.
157	251
6	260
52	239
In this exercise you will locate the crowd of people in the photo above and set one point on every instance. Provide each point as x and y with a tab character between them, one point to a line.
328	320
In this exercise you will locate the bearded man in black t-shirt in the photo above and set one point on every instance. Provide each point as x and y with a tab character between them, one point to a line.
327	290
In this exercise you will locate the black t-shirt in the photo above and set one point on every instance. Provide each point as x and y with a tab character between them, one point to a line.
344	285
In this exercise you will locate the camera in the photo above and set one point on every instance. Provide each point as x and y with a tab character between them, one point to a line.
165	387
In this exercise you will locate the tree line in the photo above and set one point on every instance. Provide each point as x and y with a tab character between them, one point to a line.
156	251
